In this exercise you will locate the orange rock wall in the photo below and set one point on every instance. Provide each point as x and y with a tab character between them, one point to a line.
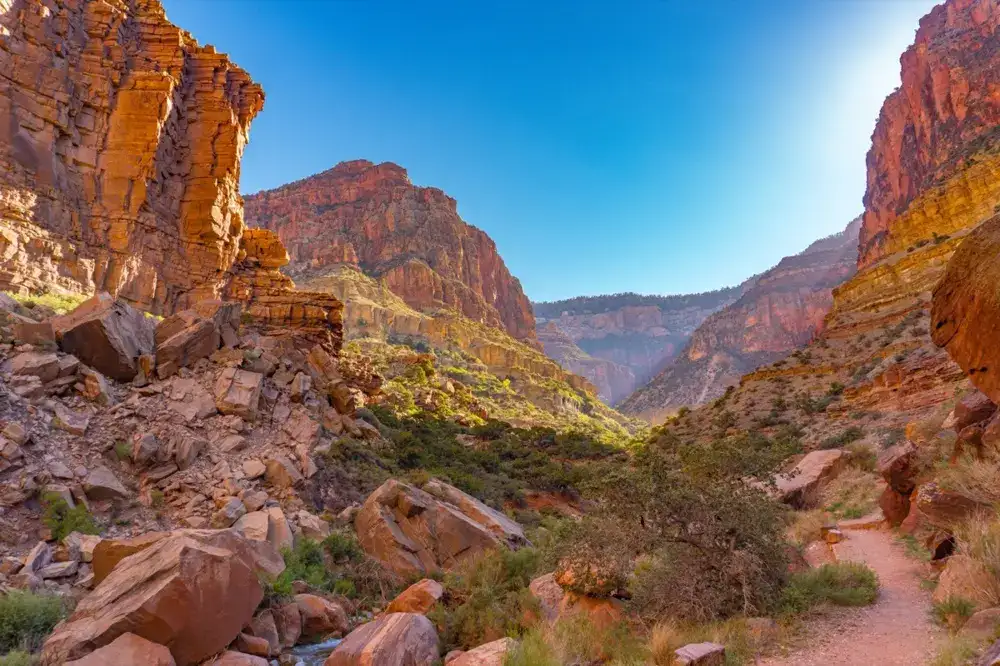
120	148
372	217
946	111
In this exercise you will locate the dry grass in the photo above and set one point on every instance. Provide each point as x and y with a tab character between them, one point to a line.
743	643
805	527
979	539
853	494
955	651
577	640
977	479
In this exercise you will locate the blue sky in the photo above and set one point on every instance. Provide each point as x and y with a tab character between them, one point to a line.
658	146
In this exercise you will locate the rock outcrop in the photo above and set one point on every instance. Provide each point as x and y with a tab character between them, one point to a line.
120	152
613	381
933	168
372	217
395	639
965	316
782	311
631	331
419	531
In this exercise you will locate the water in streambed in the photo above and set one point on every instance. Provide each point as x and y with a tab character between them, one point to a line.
315	654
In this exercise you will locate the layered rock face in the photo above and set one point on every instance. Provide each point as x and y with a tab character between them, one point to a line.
613	381
372	217
120	148
641	334
783	311
934	134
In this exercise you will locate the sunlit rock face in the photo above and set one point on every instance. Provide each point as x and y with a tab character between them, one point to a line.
933	166
783	310
120	147
412	238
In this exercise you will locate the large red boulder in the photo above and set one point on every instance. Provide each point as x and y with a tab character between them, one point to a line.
193	592
127	650
396	639
108	335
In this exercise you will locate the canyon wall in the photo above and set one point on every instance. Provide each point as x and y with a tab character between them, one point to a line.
631	333
373	218
783	311
120	147
933	167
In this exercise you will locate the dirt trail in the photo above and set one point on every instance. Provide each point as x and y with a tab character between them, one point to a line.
895	631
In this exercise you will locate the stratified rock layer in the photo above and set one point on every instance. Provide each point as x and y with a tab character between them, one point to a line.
120	148
372	217
635	332
946	111
782	311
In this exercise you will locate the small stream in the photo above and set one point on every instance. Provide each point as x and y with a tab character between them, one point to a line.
315	654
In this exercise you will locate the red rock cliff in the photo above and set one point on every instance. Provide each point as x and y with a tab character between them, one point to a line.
946	110
120	148
372	217
781	312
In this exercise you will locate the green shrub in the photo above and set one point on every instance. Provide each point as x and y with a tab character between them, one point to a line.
18	658
953	612
840	584
487	599
27	618
849	435
63	520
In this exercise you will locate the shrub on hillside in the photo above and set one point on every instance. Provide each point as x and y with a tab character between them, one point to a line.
63	520
27	618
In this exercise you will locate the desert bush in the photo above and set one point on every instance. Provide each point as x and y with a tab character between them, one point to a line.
978	538
840	584
804	526
743	644
18	658
841	440
975	478
486	599
711	543
955	651
27	618
577	640
62	520
953	612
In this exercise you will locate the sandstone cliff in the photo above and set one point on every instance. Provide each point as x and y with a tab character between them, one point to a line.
120	147
372	217
933	165
782	311
639	333
612	381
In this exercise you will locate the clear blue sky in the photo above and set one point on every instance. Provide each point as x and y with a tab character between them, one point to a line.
658	146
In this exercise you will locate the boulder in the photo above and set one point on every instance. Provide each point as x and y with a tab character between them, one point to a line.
108	335
554	603
700	654
413	533
281	472
193	592
231	511
253	525
253	469
44	365
102	484
312	526
417	598
320	617
279	534
95	387
894	505
964	577
72	421
496	522
397	639
238	392
254	645
226	315
288	623
127	650
982	625
944	508
263	626
801	487
490	654
899	467
182	339
972	409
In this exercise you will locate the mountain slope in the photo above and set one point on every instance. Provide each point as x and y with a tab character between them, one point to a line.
782	311
613	381
373	218
638	332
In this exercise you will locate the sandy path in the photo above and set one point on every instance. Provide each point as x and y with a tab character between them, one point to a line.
895	631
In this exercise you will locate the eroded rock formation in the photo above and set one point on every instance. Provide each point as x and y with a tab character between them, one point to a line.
641	333
929	170
120	147
782	311
372	217
613	381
